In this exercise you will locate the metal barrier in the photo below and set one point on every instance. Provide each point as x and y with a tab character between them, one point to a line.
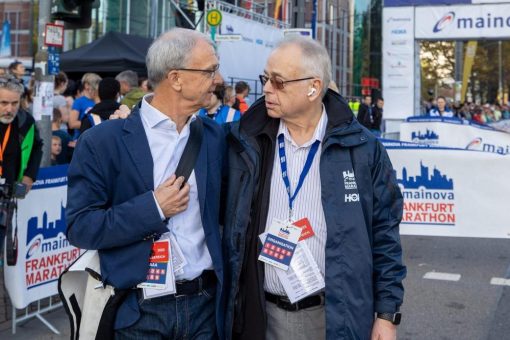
36	314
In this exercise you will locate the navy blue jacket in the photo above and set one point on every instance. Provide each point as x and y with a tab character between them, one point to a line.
111	207
364	269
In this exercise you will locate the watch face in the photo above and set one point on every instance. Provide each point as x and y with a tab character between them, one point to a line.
396	319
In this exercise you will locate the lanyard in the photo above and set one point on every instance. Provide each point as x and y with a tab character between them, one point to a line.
304	172
2	150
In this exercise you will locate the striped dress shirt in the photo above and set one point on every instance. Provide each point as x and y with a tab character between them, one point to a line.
306	204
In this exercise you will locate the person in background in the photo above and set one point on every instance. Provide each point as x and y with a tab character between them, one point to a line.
17	69
21	147
144	84
218	111
242	90
365	110
83	104
67	143
129	90
56	149
109	91
376	118
230	96
59	101
441	110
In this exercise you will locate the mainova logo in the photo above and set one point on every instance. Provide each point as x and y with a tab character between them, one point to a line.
479	144
446	20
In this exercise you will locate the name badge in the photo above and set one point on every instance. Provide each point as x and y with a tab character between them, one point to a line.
160	277
280	244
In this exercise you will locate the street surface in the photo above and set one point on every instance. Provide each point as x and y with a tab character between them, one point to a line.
456	300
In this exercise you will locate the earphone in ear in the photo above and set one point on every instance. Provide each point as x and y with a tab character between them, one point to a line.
312	92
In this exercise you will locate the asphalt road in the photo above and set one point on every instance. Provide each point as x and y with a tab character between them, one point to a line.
470	308
453	307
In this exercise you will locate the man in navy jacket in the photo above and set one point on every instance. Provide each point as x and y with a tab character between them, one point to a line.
299	152
123	195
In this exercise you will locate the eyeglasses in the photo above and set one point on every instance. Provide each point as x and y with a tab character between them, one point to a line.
212	73
278	83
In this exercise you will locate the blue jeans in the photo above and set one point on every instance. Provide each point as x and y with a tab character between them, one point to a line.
169	317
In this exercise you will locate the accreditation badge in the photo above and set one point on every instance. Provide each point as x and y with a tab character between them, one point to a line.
160	276
280	244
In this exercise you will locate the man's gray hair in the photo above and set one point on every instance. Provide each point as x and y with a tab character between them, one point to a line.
171	51
11	83
315	58
129	77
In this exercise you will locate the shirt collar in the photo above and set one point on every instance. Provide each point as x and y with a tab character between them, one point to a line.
155	118
320	130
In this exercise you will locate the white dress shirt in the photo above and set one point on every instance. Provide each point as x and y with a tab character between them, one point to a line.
167	146
307	203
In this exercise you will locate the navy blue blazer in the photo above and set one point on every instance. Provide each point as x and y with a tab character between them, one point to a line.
111	207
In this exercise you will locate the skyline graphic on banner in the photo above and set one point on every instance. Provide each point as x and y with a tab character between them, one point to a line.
48	229
436	181
429	135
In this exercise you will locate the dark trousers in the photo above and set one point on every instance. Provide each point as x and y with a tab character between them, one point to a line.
169	317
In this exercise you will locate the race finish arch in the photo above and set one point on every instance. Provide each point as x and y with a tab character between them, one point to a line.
405	22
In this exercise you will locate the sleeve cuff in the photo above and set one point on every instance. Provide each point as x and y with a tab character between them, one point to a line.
159	208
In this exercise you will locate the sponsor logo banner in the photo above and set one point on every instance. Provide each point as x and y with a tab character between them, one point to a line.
398	62
44	252
464	21
451	192
455	133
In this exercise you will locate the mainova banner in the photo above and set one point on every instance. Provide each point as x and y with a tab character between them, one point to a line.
451	192
398	62
43	250
475	21
455	133
245	58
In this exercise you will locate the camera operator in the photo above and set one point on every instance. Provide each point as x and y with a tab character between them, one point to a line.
20	146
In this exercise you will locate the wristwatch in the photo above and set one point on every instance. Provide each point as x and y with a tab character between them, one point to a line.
394	318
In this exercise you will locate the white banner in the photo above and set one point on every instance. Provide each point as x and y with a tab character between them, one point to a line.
246	58
43	250
452	192
463	22
398	62
454	133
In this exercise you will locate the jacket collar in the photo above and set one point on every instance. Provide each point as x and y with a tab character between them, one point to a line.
137	145
256	122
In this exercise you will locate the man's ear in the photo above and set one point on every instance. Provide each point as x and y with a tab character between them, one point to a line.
174	80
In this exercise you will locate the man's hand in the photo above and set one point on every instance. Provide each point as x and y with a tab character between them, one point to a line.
28	182
384	330
121	113
171	198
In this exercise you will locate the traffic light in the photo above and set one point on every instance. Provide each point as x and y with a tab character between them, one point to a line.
74	13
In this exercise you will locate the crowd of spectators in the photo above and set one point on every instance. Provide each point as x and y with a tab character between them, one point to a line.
81	104
482	114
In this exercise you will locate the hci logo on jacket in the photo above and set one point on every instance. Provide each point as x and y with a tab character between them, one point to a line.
428	199
350	184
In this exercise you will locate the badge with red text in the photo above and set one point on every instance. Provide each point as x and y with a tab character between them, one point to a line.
280	244
159	266
306	228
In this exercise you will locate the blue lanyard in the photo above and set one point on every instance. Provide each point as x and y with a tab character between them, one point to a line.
304	172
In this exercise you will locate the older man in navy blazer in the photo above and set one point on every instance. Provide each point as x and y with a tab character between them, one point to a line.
123	195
